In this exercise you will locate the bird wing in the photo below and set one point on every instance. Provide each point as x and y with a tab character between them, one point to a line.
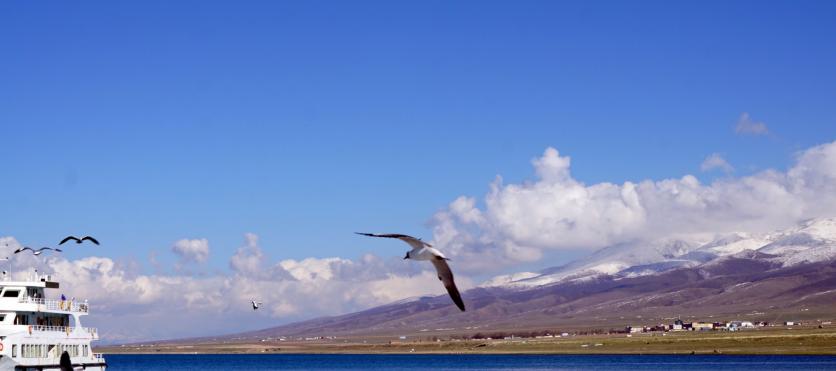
24	248
91	239
446	277
74	238
416	243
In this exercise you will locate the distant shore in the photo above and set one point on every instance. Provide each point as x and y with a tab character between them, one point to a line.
758	341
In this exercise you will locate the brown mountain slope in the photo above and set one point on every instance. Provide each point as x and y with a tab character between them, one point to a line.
729	288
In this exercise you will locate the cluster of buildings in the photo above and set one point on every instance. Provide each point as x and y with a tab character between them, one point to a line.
679	325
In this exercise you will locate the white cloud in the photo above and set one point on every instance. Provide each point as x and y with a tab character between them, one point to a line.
191	251
128	305
716	161
518	222
745	125
248	258
512	223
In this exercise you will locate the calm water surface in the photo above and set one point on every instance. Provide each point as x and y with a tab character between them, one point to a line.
466	362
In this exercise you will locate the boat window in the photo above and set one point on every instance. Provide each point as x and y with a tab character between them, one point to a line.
14	350
2	317
21	319
11	293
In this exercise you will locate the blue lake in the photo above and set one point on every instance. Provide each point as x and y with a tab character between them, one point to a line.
466	362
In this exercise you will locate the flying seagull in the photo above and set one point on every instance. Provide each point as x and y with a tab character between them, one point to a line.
77	240
424	251
256	304
36	252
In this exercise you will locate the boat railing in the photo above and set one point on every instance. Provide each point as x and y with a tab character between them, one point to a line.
66	305
41	328
68	329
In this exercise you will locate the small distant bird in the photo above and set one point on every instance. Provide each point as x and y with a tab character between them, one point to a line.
79	240
424	251
36	252
256	304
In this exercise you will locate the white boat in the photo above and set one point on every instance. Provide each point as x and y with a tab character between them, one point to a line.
35	332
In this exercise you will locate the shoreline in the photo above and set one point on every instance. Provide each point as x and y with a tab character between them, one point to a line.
753	342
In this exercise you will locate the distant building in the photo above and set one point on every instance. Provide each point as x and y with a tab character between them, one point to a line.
702	326
659	327
677	326
737	325
635	329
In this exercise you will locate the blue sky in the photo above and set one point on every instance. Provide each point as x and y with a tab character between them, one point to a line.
146	122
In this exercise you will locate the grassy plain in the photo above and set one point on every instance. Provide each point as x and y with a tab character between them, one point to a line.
771	340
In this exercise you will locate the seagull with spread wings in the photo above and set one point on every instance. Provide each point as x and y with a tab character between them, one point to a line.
256	304
35	252
424	251
79	240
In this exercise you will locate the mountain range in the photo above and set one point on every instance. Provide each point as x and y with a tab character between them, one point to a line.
783	275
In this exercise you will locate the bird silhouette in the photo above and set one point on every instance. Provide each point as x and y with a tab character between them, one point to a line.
255	304
79	240
36	252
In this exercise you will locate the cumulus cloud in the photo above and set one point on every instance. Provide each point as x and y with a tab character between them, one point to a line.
518	222
191	251
248	258
180	305
716	161
745	125
512	223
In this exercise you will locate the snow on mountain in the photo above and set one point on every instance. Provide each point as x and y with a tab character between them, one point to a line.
648	269
811	241
734	243
822	228
609	261
508	278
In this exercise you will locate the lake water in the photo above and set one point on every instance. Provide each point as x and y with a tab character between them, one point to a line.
466	362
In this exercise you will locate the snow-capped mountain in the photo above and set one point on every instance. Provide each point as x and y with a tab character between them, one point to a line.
811	241
787	274
609	261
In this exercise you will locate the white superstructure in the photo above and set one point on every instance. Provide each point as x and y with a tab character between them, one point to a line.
35	332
